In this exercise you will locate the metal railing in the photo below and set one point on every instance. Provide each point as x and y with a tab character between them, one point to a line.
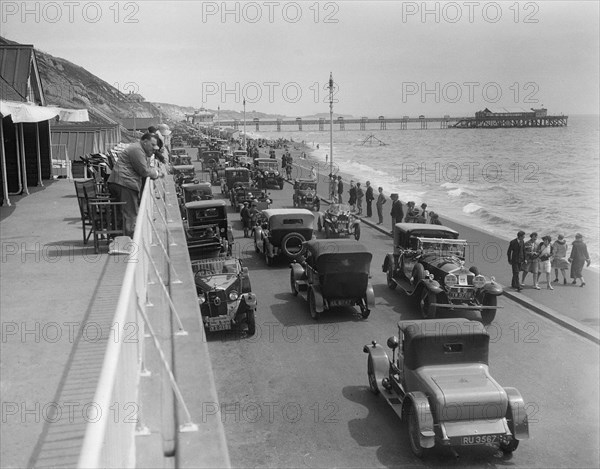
110	442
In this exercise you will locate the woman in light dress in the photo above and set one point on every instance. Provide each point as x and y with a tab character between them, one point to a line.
545	258
560	261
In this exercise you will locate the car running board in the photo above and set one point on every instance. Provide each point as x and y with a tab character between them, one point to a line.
478	308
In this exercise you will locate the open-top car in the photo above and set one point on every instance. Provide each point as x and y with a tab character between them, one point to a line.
283	231
224	293
179	156
305	194
339	221
428	263
241	194
333	273
438	380
235	177
184	174
207	230
266	173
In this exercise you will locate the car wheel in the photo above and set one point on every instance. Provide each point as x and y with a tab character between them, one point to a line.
268	260
474	270
390	278
319	225
256	248
509	446
251	321
488	315
413	434
292	245
357	232
372	379
327	232
364	310
281	186
318	206
425	304
312	305
418	273
293	283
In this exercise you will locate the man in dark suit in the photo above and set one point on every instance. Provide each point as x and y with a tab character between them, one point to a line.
369	198
516	257
397	212
340	189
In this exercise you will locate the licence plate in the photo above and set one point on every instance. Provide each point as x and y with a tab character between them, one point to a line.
477	440
219	324
460	295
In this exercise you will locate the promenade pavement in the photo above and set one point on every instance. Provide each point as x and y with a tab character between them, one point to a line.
571	306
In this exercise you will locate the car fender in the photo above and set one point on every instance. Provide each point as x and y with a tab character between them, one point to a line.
355	222
380	362
319	303
432	286
370	294
388	262
493	288
258	234
420	405
517	414
297	270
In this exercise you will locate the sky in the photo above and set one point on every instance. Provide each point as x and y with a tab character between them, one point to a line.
390	58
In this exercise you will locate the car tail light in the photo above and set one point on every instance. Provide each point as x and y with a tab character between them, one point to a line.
479	281
450	280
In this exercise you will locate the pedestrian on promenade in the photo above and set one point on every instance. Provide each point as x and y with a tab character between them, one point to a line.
125	181
397	213
435	218
352	199
340	189
579	256
313	173
246	219
359	198
369	199
532	262
379	204
545	256
424	213
332	188
516	257
560	261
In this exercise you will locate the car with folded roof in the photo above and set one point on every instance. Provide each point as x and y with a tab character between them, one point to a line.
207	230
267	174
235	177
184	174
179	156
438	381
305	194
225	294
339	221
283	232
428	263
333	273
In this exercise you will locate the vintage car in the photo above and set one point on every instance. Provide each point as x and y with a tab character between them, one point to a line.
305	194
338	220
192	193
266	173
184	174
179	156
241	194
333	273
438	380
272	154
176	142
201	149
428	263
210	159
224	293
233	177
207	230
283	231
217	173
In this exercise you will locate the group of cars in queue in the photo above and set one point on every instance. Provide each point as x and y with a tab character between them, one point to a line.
436	376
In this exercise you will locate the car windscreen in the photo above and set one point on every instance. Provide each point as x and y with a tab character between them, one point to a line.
217	266
443	248
206	214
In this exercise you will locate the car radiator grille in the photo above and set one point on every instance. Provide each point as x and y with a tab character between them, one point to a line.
217	303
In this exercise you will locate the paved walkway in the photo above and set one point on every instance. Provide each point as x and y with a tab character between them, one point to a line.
571	306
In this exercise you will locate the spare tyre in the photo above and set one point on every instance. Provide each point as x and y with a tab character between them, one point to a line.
292	245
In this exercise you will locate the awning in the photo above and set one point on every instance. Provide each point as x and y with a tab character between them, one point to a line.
24	112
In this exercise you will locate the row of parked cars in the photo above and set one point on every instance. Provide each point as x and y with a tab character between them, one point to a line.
435	375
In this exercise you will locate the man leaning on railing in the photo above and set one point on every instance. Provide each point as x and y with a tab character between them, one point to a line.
125	182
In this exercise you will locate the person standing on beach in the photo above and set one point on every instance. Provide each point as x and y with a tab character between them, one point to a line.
545	256
579	256
369	199
560	258
532	263
379	204
397	212
340	189
359	198
516	257
352	193
126	179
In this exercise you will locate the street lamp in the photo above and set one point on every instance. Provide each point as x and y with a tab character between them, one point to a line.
331	127
245	124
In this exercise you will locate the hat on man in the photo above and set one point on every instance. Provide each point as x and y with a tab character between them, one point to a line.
578	236
561	237
164	129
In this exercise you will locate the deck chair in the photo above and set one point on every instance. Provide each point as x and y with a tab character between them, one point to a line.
86	190
106	218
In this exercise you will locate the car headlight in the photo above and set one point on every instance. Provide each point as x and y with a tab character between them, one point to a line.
334	219
276	173
233	295
201	300
479	281
450	280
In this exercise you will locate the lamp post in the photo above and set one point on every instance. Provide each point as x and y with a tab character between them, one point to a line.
331	127
244	124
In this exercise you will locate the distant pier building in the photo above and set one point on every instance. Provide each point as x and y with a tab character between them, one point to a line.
501	117
200	116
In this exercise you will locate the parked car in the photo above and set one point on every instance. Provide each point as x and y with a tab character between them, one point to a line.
235	177
283	231
179	156
207	230
333	273
194	192
428	263
224	293
217	174
438	380
241	194
305	194
184	174
266	173
210	159
338	221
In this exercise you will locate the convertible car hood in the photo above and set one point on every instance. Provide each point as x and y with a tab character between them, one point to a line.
219	281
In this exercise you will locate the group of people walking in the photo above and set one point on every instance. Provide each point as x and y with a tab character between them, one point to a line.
537	257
